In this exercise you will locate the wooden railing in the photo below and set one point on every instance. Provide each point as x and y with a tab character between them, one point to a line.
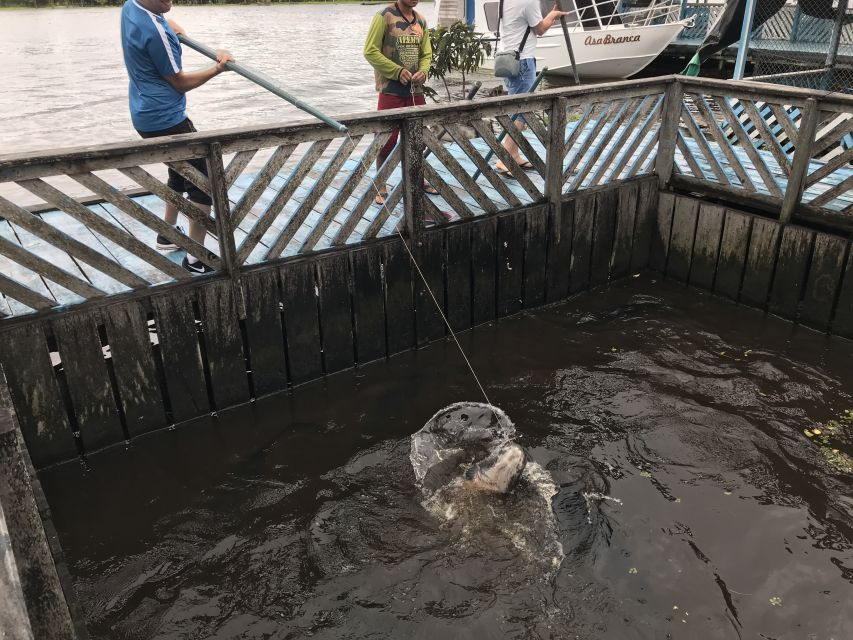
284	191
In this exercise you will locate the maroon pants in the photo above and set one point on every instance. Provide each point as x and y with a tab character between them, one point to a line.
387	101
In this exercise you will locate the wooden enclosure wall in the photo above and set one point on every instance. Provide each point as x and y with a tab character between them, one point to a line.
797	273
104	372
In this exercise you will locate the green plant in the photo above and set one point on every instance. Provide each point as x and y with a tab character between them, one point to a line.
457	48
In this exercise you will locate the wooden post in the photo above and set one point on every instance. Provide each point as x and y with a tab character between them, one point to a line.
26	544
554	160
800	165
14	623
224	226
668	135
412	141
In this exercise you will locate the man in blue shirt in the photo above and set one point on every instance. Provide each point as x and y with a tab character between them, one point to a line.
158	84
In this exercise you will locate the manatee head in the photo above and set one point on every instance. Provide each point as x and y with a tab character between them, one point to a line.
499	472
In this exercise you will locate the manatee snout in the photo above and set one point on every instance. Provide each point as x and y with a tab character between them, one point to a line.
500	471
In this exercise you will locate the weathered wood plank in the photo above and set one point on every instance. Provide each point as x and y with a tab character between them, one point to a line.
733	248
484	167
459	290
333	283
57	238
510	264
584	224
162	191
623	238
312	197
791	267
179	350
136	375
301	321
509	162
264	332
271	213
368	298
88	380
20	293
644	227
223	342
760	261
824	276
661	232
706	248
344	191
457	171
428	322
560	252
535	256
456	203
484	257
399	298
684	218
367	198
602	236
135	211
35	392
842	323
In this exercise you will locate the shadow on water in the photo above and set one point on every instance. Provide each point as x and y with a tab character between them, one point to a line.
688	502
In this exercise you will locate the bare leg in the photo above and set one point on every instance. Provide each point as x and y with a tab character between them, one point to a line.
509	145
197	231
171	214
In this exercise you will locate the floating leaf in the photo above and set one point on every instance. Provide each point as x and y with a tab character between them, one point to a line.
808	433
614	349
776	601
645	474
632	570
817	432
727	493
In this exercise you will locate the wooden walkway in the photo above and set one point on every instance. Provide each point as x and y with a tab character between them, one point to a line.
301	189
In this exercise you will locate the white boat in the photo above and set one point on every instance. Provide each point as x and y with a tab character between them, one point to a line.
607	43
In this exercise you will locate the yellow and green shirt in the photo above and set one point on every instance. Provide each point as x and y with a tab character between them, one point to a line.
394	43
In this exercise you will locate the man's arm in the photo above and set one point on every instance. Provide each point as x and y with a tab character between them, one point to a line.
373	50
184	81
548	21
424	60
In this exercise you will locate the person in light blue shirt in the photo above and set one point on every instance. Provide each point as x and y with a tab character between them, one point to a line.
157	95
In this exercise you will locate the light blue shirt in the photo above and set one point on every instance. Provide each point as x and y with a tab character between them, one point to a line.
151	51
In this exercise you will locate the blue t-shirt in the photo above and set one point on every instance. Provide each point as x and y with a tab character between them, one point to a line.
151	51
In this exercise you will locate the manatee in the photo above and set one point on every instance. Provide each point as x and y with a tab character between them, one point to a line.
500	471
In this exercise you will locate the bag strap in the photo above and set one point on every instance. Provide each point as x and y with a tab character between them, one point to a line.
524	40
526	33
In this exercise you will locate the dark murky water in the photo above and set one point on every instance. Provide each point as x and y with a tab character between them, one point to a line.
689	504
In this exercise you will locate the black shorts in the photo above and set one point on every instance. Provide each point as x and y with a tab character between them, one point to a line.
177	182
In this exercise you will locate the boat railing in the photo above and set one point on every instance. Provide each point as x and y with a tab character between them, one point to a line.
78	225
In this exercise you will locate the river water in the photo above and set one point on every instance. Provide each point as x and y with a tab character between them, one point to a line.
689	501
64	81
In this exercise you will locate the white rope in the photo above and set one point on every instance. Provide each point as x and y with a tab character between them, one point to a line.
384	198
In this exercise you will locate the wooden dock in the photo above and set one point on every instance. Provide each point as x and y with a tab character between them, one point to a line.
740	189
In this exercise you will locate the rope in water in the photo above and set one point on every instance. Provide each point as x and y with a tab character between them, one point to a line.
384	198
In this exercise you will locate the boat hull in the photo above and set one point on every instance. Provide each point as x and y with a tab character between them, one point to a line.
612	54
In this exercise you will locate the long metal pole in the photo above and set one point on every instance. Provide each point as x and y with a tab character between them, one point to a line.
514	118
569	47
263	82
745	33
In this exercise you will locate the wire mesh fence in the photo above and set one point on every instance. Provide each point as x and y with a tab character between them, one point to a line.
808	44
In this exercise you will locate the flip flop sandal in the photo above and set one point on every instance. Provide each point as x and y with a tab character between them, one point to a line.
526	165
506	173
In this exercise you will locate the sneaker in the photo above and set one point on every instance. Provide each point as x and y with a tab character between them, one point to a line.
196	267
164	244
